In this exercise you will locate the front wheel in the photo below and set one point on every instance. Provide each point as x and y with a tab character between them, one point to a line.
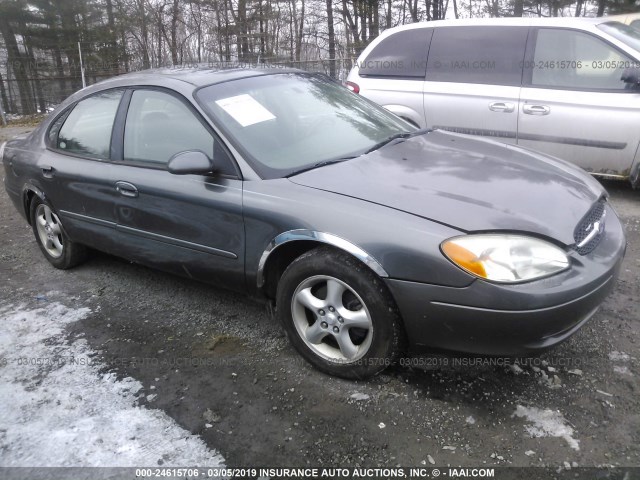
56	246
339	315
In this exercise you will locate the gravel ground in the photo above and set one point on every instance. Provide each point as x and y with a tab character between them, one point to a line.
221	368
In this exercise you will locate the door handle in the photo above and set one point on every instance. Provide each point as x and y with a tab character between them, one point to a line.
47	171
505	107
536	109
126	189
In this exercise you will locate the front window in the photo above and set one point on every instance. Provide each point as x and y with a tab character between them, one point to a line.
159	125
287	122
576	60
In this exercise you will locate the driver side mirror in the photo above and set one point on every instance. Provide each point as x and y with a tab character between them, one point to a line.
190	162
631	76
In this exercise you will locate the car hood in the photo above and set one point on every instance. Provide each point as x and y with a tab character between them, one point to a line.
466	183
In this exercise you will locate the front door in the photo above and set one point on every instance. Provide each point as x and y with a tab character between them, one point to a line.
186	224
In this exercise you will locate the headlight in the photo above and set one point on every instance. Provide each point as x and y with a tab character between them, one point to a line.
505	258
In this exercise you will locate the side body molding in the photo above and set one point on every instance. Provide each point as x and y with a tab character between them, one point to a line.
328	238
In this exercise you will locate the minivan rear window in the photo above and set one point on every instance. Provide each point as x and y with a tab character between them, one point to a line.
477	54
403	55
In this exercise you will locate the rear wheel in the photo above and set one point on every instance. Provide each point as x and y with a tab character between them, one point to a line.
339	315
53	241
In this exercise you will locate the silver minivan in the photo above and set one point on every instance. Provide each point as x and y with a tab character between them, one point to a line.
566	87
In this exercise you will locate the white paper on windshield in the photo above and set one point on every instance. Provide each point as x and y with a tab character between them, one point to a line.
245	110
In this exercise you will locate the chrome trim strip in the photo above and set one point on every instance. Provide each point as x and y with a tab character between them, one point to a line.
176	242
152	236
322	237
85	218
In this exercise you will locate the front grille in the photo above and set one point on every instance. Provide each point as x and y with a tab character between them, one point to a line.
585	229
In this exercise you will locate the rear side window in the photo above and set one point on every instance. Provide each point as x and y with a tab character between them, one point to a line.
402	55
488	55
87	129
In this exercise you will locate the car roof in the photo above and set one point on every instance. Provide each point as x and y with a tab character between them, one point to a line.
511	21
198	75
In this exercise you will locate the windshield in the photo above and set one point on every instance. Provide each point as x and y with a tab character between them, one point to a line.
624	33
285	123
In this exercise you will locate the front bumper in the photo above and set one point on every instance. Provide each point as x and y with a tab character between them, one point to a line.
512	320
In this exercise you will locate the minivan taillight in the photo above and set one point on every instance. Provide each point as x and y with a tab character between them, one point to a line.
354	87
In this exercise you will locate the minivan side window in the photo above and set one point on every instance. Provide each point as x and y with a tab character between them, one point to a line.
472	54
87	129
159	125
401	55
566	58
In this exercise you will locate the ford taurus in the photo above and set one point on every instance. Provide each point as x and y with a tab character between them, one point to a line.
369	235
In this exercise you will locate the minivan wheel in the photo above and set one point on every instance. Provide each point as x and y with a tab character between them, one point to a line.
339	315
53	241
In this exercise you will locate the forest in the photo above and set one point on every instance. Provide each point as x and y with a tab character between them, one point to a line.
47	45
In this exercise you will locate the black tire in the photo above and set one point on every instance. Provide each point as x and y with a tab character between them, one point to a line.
378	347
70	254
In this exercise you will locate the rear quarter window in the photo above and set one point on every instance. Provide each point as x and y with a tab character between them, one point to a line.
401	55
488	55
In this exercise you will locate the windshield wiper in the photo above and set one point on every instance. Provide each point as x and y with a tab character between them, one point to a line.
397	136
318	165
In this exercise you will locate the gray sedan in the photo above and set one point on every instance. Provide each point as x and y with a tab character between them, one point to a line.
369	235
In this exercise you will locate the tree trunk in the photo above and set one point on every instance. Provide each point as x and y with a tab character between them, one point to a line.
175	11
144	31
20	66
3	96
518	8
332	40
300	32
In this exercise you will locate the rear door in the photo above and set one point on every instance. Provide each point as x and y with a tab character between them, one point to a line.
186	224
574	104
473	80
76	172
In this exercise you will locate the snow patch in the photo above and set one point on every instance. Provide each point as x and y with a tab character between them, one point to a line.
622	369
64	412
547	423
619	356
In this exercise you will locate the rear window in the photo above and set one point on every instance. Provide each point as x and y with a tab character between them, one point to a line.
87	129
403	55
488	55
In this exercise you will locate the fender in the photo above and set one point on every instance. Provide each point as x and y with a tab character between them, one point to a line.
322	237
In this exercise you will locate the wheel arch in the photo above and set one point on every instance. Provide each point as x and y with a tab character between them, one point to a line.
28	194
407	114
288	246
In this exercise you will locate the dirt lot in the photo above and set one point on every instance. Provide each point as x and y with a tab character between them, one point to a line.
222	369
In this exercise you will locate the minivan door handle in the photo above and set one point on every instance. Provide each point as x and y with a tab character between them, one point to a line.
536	109
504	107
127	189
